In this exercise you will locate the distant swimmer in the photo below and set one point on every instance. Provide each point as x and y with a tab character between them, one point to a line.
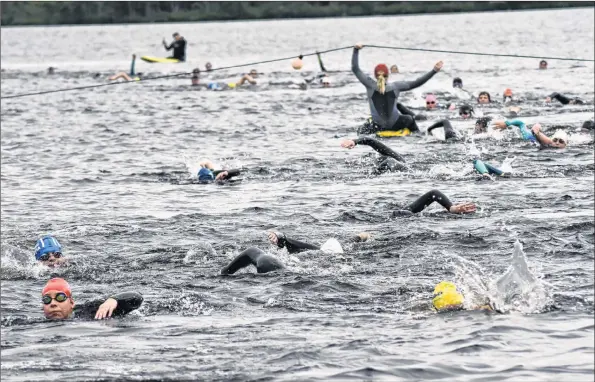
383	96
179	47
394	69
484	98
466	111
48	252
543	64
195	77
51	70
447	298
208	67
132	76
432	103
435	196
389	160
487	170
58	303
208	173
457	83
249	78
588	125
481	125
564	100
507	95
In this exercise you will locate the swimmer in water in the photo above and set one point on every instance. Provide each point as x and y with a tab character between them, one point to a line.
179	47
432	103
265	263
525	132
457	83
250	78
589	125
127	77
449	132
196	77
447	298
558	141
58	303
487	170
389	160
208	66
543	64
51	70
294	246
484	98
48	251
481	125
383	97
564	100
394	69
507	95
435	196
208	174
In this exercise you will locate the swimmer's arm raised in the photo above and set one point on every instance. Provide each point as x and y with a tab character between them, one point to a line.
292	245
365	80
409	85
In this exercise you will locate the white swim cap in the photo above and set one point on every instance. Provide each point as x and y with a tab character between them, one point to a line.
332	246
326	80
561	134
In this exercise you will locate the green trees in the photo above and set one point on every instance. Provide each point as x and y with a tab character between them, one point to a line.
96	12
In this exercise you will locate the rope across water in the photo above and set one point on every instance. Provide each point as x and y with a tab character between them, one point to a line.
292	57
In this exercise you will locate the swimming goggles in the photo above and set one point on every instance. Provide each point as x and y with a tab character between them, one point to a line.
46	257
60	297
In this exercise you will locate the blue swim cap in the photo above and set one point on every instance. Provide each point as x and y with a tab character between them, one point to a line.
205	175
213	85
45	245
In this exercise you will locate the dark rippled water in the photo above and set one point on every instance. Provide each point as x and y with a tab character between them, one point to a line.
110	172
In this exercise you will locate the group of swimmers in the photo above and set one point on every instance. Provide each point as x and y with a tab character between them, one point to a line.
387	114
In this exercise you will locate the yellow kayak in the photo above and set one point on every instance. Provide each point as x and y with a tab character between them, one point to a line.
389	133
161	60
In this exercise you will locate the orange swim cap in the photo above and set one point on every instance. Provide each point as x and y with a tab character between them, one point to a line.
381	68
507	93
57	284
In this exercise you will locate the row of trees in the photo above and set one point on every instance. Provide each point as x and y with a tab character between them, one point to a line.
95	12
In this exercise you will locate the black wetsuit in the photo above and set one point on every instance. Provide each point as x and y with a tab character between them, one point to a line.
127	302
405	111
565	100
293	245
389	160
253	256
383	107
425	200
449	132
179	47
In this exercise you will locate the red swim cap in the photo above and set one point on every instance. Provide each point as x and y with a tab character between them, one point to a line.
57	284
507	93
381	68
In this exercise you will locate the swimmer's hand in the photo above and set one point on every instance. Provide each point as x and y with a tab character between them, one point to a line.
438	66
486	175
499	124
222	175
464	208
106	309
536	128
358	46
348	144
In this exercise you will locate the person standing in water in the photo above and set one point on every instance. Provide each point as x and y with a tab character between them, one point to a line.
383	96
179	47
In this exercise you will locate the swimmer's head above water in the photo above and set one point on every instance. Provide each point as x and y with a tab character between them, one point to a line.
466	111
484	97
543	64
481	125
394	69
57	299
457	83
447	297
208	66
431	101
49	251
195	77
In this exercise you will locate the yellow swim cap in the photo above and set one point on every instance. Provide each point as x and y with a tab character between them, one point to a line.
446	297
137	78
232	85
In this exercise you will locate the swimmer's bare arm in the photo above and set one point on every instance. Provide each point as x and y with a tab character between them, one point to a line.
246	77
544	140
207	164
365	80
409	85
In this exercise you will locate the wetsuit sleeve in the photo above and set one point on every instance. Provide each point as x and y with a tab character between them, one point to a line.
379	147
87	310
322	68
436	125
230	173
409	85
253	256
561	98
428	198
449	132
404	110
127	302
293	245
516	122
365	80
168	47
132	67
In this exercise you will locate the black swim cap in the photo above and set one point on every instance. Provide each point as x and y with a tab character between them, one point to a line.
457	81
589	125
483	122
465	109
